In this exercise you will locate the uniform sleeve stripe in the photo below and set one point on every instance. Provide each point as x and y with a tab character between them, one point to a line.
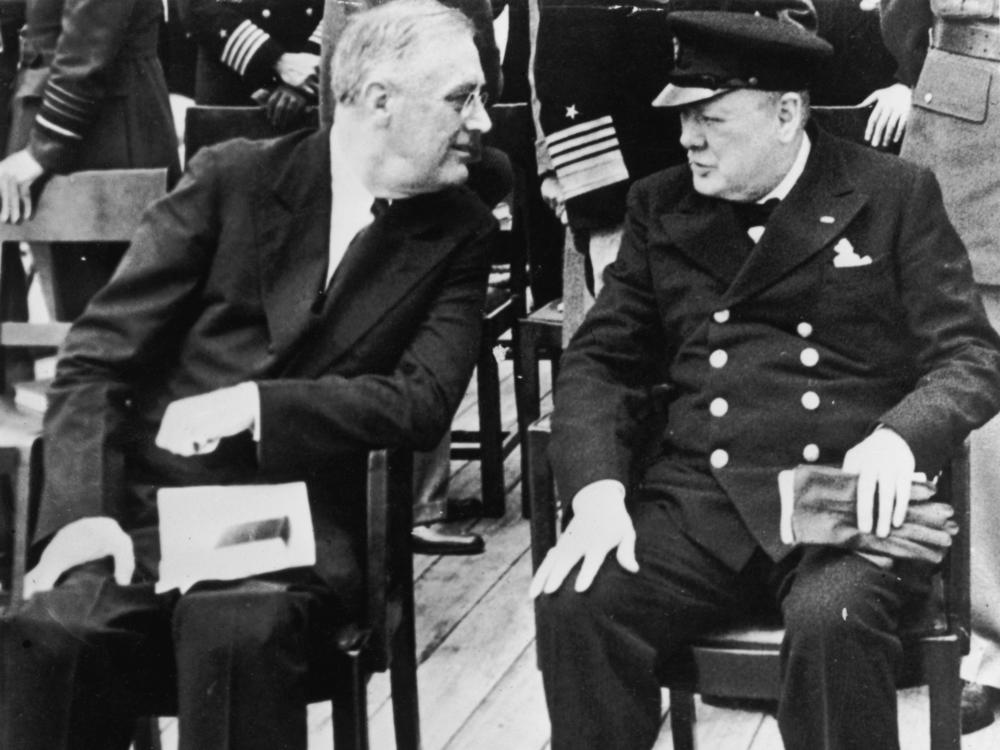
597	172
568	145
604	147
245	40
48	125
57	100
70	96
583	127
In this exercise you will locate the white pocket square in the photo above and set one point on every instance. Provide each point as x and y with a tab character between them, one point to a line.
846	257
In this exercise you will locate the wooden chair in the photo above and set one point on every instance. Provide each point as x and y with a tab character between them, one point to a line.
106	206
102	206
743	662
490	444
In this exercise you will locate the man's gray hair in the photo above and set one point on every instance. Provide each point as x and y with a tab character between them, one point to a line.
390	34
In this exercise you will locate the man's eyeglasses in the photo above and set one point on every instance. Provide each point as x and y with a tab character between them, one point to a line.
464	103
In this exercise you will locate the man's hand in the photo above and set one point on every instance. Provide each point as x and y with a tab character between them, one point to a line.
195	425
600	524
80	542
887	122
285	105
295	68
882	460
18	173
552	194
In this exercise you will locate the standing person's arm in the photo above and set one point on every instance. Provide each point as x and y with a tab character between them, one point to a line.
905	28
80	79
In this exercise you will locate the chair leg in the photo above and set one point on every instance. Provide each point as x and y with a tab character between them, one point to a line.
537	482
403	679
942	658
682	719
490	434
350	706
527	392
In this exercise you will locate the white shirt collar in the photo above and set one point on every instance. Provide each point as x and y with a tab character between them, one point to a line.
798	167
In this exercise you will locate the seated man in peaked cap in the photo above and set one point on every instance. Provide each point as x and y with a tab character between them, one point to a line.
291	303
843	330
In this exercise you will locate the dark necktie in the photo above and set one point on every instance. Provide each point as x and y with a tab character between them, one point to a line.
379	207
754	214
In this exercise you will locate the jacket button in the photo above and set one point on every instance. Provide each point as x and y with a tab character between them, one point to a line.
718	407
721	316
309	11
928	97
718	358
804	330
809	357
810	400
223	33
719	458
266	13
811	453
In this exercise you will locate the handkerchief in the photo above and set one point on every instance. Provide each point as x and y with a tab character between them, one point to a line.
819	506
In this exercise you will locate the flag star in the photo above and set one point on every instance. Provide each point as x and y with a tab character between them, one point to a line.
571	112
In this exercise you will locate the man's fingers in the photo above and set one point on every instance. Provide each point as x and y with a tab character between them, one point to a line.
886	497
25	191
866	500
904	488
626	552
538	581
124	556
588	571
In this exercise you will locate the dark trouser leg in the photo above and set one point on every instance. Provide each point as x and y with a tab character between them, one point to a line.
243	654
77	664
841	652
599	650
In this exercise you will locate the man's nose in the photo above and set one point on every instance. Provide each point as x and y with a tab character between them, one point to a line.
479	118
691	135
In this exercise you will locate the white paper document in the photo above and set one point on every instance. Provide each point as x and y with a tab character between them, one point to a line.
221	533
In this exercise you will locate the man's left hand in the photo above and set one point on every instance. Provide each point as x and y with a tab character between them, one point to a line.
18	173
884	461
193	426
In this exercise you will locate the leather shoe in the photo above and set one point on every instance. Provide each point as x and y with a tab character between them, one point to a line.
978	702
428	540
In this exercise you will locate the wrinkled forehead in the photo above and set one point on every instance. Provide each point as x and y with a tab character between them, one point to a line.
447	62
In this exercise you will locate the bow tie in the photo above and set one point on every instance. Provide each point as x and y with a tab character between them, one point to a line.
379	207
755	214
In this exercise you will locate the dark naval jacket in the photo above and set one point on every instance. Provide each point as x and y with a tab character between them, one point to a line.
855	309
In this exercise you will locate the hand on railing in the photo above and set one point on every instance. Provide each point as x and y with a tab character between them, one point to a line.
18	172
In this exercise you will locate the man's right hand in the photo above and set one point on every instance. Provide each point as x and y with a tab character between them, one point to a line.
295	68
80	542
600	524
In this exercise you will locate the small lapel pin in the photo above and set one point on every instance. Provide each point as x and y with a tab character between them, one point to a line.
826	219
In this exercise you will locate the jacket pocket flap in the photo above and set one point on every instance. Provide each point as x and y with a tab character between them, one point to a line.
954	88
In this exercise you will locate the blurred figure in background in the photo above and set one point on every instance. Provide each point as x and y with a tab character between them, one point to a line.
257	52
90	94
955	130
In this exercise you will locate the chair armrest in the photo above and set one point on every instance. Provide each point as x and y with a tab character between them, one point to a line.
953	487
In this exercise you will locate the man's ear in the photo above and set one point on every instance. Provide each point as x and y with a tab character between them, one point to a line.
791	115
375	98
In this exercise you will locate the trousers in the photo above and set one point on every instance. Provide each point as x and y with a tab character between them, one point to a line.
602	651
237	662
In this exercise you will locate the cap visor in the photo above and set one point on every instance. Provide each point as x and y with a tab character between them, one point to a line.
681	96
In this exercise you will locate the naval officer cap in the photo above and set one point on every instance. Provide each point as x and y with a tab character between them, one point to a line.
769	45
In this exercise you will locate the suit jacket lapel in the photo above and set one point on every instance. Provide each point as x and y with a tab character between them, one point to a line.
395	252
293	237
706	231
816	211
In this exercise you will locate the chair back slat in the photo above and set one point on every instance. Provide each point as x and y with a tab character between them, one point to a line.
97	206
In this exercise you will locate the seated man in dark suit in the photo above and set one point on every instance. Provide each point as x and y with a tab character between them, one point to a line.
843	330
263	327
